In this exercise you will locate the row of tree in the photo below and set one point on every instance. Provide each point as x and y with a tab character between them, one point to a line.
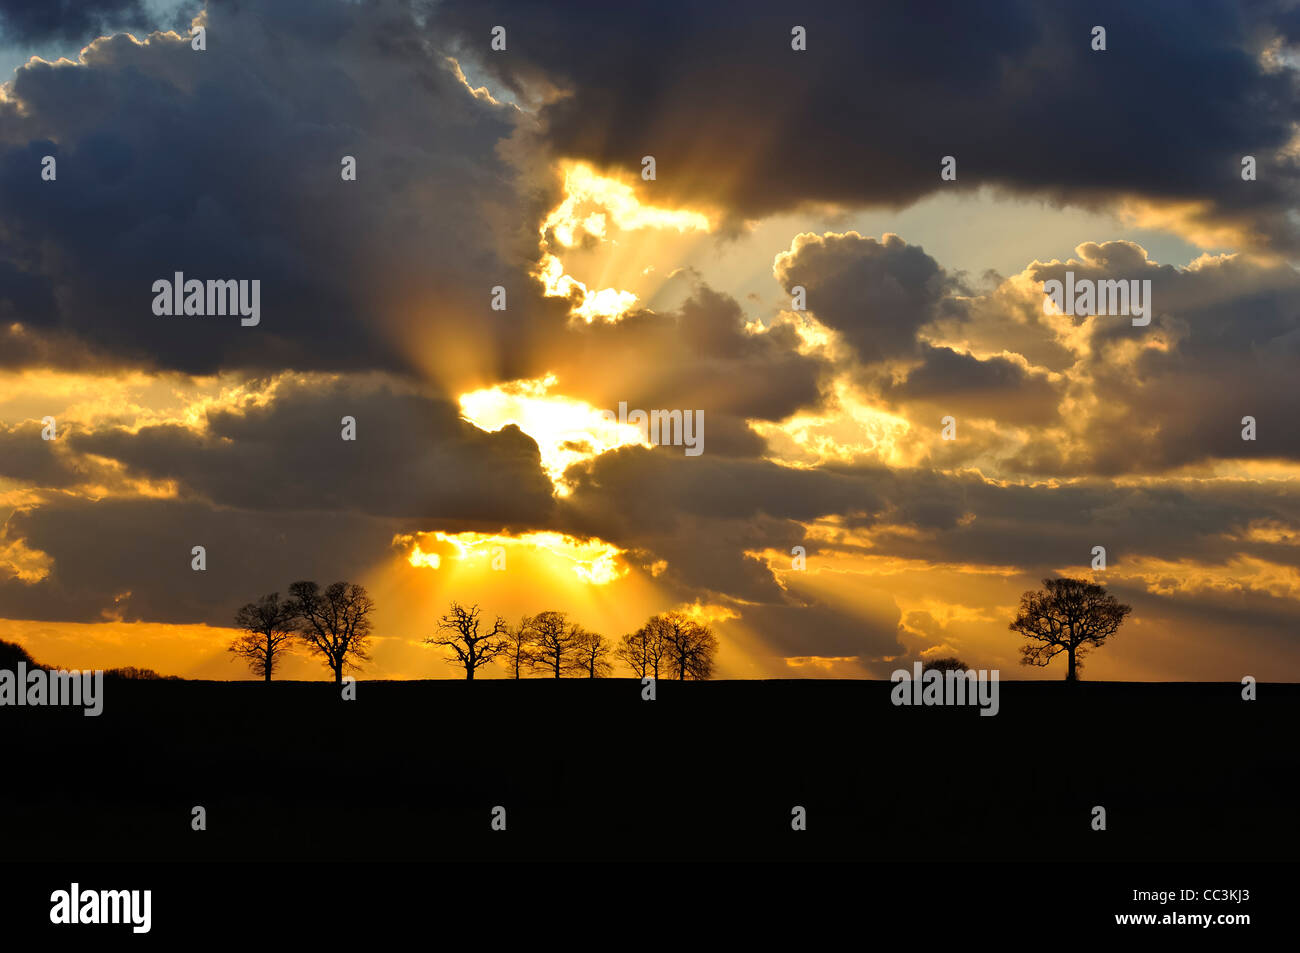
671	645
1067	616
334	623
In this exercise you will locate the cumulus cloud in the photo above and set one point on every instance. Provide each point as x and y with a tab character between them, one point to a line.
877	294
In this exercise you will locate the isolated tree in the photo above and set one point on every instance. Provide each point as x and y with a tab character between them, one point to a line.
473	647
592	655
644	650
269	625
1067	615
334	623
518	654
691	646
555	642
946	664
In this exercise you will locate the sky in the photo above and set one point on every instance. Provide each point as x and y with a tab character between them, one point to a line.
484	469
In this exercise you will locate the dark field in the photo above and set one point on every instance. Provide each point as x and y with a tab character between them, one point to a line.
586	769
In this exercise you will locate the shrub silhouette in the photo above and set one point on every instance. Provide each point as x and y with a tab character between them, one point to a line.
11	653
132	673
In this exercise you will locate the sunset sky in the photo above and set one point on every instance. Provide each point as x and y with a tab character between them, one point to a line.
480	431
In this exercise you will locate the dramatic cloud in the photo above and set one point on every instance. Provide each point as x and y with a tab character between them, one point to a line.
876	294
1000	388
699	356
226	164
1013	90
31	21
479	429
1221	346
412	457
127	560
26	457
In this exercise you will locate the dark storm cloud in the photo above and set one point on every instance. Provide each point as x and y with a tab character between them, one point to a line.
226	164
413	457
1038	527
78	21
1012	89
102	551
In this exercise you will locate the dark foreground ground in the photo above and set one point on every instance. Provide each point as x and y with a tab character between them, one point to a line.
412	770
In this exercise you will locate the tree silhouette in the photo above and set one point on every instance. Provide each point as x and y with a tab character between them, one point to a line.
334	624
269	626
473	648
1067	615
690	645
518	654
555	641
946	664
644	650
592	655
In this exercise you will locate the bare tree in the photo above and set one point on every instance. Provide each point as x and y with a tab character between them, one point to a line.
472	648
555	642
1067	615
518	654
592	655
691	646
645	649
335	623
269	626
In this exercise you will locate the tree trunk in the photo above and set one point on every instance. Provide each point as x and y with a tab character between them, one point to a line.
469	671
1071	674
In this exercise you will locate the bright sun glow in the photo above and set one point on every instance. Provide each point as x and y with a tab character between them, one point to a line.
592	200
599	207
850	432
566	430
592	561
